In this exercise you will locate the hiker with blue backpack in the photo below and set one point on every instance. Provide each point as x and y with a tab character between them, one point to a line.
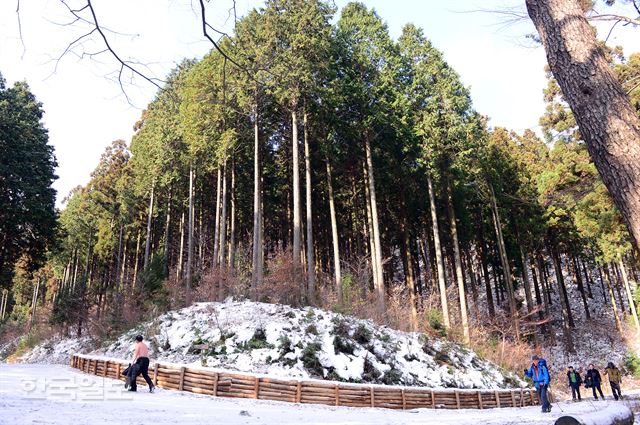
539	372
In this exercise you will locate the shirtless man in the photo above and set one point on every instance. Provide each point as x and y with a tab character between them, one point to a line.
141	357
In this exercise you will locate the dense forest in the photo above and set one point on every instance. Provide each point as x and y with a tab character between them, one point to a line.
314	160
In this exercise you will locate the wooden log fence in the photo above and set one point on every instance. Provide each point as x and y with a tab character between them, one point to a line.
237	385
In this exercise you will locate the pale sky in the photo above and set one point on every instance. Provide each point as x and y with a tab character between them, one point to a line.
85	108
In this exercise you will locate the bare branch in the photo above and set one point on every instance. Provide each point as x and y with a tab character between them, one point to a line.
24	47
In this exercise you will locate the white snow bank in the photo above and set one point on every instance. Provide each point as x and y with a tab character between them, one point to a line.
286	342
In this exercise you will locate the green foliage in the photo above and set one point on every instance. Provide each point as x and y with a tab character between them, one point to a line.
362	334
342	345
310	359
632	363
258	341
27	164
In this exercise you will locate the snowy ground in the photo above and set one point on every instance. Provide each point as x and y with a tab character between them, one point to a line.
282	341
58	395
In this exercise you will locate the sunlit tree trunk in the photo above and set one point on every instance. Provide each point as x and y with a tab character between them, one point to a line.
232	230
632	304
223	220
442	286
614	307
167	234
311	264
216	232
181	252
458	266
190	240
256	275
334	233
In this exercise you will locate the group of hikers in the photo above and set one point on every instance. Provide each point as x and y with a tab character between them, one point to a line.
539	372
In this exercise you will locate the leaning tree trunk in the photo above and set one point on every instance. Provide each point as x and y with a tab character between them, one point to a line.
614	307
311	265
632	303
608	122
334	233
567	322
439	263
458	265
506	268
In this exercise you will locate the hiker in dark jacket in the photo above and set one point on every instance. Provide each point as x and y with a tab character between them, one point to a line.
540	374
575	380
615	380
593	379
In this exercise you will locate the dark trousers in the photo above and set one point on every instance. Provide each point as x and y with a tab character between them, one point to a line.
544	397
615	388
595	387
575	390
143	370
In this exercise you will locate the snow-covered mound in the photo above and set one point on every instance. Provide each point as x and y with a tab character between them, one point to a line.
283	341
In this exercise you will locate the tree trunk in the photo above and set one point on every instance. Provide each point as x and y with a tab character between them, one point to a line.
614	308
485	270
442	286
632	304
311	264
380	290
223	220
608	122
147	246
181	251
190	238
334	233
369	229
167	234
408	271
297	237
567	322
506	268
458	265
134	283
257	272
604	296
578	278
232	230
216	232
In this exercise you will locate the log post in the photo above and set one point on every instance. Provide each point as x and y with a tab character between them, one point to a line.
373	397
513	399
404	400
215	384
118	371
256	387
433	399
521	397
480	399
457	398
497	398
298	392
181	378
337	394
155	374
106	368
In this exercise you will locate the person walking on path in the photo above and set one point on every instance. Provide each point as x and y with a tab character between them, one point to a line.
615	379
594	381
141	358
575	380
540	374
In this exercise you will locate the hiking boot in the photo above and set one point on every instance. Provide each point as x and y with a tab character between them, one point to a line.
152	388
